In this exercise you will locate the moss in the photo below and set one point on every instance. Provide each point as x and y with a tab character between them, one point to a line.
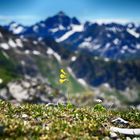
29	121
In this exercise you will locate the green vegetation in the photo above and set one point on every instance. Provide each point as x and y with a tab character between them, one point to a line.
7	69
51	70
42	122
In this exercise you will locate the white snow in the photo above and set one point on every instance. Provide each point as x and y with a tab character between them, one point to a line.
34	42
116	41
52	52
106	59
35	28
4	46
1	81
13	25
106	85
125	47
113	29
82	82
40	39
12	43
138	46
53	30
57	56
85	45
122	51
130	25
75	28
35	52
132	51
107	46
15	28
27	51
133	32
61	27
18	30
19	43
88	39
71	72
108	35
73	58
49	51
97	46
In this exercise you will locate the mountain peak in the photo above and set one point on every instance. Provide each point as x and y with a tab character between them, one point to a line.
61	13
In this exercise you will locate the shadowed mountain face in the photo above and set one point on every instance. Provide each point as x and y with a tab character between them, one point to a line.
92	53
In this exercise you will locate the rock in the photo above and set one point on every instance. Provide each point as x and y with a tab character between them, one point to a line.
4	94
119	121
126	131
31	90
113	135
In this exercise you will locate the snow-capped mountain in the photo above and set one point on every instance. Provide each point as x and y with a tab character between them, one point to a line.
15	28
111	40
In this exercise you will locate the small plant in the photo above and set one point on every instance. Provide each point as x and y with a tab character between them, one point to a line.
64	79
99	107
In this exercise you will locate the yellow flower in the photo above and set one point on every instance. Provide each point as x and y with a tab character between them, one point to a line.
62	76
61	81
62	71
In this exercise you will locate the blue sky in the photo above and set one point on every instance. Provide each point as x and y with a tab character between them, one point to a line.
30	11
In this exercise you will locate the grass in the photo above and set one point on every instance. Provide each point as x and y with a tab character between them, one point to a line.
7	70
42	122
51	70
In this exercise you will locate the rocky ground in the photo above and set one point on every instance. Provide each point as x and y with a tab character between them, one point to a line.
67	122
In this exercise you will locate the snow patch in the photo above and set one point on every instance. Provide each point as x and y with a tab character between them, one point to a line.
75	28
125	47
106	59
116	41
12	43
27	51
5	46
35	52
73	58
18	30
133	32
82	82
54	30
85	45
19	43
97	46
88	39
35	42
49	51
35	28
52	52
138	46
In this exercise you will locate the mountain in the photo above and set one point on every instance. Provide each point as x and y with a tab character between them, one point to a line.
31	68
112	40
93	54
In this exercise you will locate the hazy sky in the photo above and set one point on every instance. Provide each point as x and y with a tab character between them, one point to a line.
31	11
